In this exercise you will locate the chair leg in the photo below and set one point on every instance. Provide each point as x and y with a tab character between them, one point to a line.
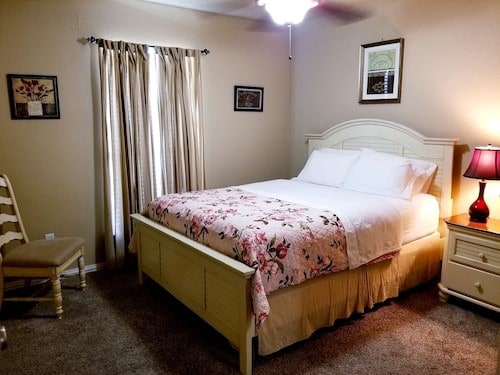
3	338
81	269
2	284
57	296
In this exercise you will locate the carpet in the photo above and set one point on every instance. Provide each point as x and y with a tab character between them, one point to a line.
117	326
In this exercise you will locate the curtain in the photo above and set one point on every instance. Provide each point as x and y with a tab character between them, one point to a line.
152	132
180	111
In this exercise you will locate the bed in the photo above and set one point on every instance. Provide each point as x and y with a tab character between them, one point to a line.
220	289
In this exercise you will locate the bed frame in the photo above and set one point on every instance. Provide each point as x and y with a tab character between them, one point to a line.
216	287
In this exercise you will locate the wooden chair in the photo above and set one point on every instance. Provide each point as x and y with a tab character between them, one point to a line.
40	259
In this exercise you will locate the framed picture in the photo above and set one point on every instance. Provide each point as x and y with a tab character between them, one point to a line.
33	97
248	98
381	68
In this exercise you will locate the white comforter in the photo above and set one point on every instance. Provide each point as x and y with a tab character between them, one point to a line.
373	225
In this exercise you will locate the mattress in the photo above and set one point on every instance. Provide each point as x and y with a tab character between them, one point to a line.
419	217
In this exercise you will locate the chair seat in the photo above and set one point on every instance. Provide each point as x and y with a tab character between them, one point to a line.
43	253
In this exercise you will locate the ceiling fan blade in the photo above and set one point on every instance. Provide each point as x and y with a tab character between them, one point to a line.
342	12
264	23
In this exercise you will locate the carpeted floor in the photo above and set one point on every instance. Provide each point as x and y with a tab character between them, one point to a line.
119	327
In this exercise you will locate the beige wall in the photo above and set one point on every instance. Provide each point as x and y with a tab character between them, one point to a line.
450	86
54	164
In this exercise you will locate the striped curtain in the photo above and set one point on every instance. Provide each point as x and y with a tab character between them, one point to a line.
152	133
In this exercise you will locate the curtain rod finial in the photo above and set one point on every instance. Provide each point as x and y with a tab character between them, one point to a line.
205	52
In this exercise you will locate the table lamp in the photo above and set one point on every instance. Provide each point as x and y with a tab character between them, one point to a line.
485	165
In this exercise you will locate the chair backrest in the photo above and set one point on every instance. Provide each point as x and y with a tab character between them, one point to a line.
11	225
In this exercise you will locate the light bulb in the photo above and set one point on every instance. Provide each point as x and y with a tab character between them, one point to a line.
287	11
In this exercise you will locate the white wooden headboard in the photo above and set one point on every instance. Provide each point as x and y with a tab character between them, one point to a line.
393	138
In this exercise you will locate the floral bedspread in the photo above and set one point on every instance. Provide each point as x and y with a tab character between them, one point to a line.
286	243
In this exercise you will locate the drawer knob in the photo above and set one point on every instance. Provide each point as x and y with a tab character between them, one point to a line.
477	284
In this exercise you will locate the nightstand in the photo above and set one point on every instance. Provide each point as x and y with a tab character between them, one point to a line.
471	262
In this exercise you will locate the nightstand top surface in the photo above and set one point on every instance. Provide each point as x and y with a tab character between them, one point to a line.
491	226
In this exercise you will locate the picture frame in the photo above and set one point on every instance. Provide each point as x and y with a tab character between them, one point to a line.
381	71
248	98
33	97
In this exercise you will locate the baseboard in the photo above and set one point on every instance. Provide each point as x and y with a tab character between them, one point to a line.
19	283
88	268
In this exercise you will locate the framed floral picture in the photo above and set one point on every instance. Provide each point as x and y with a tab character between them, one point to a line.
247	98
33	97
381	70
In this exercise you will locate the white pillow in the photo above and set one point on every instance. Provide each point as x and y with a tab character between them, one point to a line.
328	167
392	175
339	151
380	176
423	171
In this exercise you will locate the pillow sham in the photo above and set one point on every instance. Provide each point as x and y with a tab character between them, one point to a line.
423	171
328	167
380	176
392	175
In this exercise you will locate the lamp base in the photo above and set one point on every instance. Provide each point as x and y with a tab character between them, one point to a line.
479	211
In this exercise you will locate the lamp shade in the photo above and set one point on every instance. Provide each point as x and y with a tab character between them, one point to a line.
485	163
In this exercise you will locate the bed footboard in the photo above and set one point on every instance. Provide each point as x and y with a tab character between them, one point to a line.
212	285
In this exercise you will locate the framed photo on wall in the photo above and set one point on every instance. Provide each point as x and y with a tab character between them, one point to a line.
33	96
381	71
248	98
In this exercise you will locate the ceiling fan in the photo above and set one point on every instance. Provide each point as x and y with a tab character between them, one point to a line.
291	12
269	15
261	10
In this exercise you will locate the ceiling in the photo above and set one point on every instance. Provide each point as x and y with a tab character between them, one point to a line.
249	8
236	8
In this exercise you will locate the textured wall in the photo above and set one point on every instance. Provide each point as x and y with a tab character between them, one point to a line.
55	164
450	78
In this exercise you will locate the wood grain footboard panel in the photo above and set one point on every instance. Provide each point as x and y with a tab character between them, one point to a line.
212	285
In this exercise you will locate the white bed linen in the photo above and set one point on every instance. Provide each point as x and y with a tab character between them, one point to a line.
420	215
369	233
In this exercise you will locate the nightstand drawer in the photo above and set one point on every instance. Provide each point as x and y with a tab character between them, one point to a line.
474	283
478	252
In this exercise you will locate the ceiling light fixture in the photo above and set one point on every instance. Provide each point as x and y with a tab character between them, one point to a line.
287	11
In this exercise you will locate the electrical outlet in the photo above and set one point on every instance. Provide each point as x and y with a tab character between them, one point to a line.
49	236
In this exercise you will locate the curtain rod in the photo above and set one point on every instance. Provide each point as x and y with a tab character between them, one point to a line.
93	40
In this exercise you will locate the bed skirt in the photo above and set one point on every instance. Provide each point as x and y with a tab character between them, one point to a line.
298	311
